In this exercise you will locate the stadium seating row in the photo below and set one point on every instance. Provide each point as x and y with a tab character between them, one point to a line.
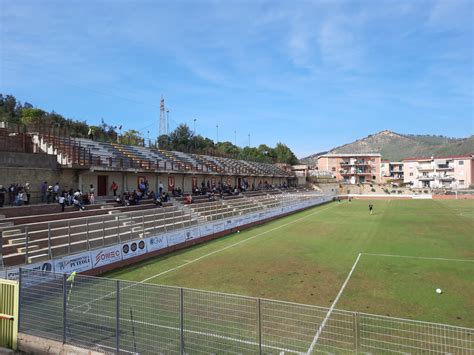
37	238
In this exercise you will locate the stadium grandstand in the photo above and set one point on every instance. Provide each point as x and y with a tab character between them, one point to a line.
199	189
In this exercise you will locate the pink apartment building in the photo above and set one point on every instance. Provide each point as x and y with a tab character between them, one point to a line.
352	168
452	172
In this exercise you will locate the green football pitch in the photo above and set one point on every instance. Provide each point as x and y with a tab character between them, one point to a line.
404	252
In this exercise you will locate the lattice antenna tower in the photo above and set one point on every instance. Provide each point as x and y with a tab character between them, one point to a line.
163	129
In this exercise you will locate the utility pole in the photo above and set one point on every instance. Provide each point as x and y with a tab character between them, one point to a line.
235	138
249	140
217	130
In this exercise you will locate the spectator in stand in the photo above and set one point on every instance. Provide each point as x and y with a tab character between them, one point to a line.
62	200
114	188
43	189
77	200
27	193
56	191
92	194
189	199
11	194
49	194
24	197
90	134
2	195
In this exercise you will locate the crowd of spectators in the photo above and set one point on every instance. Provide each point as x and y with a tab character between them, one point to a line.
143	192
15	195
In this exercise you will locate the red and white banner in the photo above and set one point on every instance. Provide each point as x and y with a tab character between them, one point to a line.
105	256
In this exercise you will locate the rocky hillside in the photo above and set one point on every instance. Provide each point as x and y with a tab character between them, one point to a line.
394	146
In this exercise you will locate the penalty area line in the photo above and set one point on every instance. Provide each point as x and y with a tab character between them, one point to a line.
418	257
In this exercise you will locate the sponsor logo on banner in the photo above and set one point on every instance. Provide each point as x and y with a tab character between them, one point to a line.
176	238
133	248
206	229
106	256
157	243
192	233
219	227
80	262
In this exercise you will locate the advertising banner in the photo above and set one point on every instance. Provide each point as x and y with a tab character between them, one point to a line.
79	263
192	233
229	224
133	248
156	243
206	229
219	227
177	237
105	256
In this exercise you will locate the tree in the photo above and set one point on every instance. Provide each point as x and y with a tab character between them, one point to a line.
181	138
132	137
33	116
283	154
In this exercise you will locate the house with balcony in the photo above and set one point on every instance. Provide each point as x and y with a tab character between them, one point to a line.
391	171
444	172
352	168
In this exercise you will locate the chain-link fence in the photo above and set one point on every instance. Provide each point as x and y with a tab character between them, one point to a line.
135	318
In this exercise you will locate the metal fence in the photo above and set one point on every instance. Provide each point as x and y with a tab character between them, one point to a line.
136	318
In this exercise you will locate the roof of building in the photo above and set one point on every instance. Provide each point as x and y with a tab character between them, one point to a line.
343	155
441	157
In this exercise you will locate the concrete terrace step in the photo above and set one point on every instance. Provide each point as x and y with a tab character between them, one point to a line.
11	232
17	241
31	248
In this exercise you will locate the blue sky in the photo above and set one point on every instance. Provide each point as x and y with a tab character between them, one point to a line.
312	74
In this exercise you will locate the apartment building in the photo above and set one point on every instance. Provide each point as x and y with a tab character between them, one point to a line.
391	171
450	172
352	168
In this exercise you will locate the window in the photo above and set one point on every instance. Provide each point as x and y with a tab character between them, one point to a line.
333	169
411	174
461	182
461	162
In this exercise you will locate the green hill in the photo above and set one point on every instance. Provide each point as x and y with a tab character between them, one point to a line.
394	146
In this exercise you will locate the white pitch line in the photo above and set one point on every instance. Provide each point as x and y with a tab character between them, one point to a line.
419	257
229	246
323	324
205	256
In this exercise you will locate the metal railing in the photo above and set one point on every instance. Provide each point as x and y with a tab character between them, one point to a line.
126	317
48	240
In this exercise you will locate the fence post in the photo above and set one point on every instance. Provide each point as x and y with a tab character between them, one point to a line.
356	333
64	307
117	320
69	238
103	231
26	244
181	321
87	234
49	241
259	321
